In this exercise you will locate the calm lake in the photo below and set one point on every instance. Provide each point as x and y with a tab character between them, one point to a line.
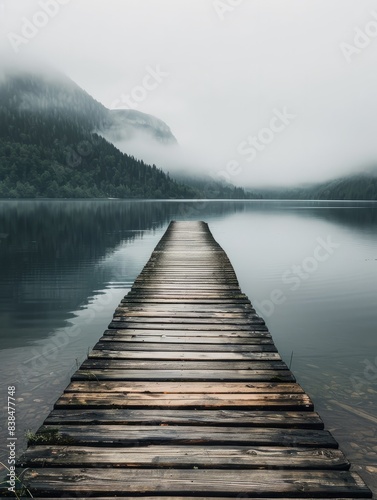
309	268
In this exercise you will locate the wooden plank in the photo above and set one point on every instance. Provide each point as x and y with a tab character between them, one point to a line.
132	435
162	338
186	387
137	299
187	375
298	484
158	264
215	327
100	360
187	296
174	280
195	292
177	271
224	287
189	288
227	334
241	317
225	305
108	343
178	321
176	497
157	400
163	268
197	280
177	275
191	355
192	278
240	418
186	308
213	457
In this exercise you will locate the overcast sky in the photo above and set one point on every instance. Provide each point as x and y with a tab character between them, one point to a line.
269	91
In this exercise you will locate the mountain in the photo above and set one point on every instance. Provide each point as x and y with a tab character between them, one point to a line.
356	187
57	141
124	124
52	144
362	186
54	91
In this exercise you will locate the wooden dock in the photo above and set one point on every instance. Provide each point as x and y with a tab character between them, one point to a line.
186	397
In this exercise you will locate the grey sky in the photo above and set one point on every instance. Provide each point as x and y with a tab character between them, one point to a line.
225	69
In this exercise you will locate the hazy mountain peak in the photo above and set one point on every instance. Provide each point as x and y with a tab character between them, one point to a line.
52	91
123	123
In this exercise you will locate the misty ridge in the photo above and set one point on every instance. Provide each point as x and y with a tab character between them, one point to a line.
51	91
58	141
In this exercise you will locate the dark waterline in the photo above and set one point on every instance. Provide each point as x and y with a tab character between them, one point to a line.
65	265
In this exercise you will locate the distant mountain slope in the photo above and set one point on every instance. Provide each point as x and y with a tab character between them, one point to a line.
57	141
355	187
55	93
123	124
50	144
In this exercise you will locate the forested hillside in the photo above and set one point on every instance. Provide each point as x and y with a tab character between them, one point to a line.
48	147
355	187
51	145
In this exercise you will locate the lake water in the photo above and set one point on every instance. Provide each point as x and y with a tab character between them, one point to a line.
310	269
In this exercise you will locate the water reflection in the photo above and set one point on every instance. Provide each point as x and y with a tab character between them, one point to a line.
48	255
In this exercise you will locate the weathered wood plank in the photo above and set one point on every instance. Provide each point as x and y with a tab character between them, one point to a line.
239	418
186	387
142	496
200	287
186	308
241	317
214	327
187	324
187	375
194	293
227	334
298	484
174	400
224	301
209	457
102	360
192	355
177	269
162	338
138	435
108	343
198	319
174	280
